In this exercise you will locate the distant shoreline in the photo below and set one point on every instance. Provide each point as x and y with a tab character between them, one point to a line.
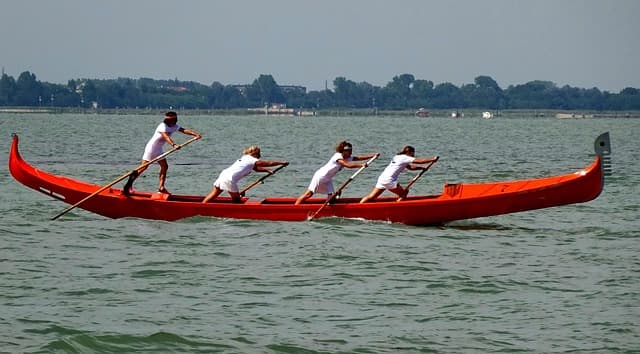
439	113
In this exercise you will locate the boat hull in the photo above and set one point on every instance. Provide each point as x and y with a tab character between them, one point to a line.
456	202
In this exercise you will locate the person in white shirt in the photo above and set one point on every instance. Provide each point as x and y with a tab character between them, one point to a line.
389	178
322	181
154	147
229	177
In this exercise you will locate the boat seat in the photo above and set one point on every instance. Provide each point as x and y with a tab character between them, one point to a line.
253	201
452	189
160	196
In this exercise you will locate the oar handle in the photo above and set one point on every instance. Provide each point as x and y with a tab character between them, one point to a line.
162	156
261	179
344	185
366	164
421	173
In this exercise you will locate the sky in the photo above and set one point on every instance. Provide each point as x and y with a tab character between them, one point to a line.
580	43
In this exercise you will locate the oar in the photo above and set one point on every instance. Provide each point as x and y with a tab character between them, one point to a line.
343	186
420	174
124	176
261	179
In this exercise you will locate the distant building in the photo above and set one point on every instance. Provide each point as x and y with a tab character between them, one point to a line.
287	89
422	112
279	109
293	89
274	109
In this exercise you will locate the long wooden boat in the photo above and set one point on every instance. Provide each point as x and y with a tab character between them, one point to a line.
456	202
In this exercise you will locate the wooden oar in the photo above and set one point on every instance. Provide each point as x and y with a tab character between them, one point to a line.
343	186
123	177
261	179
420	174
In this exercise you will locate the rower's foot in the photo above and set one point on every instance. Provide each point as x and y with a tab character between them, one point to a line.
127	190
163	190
128	187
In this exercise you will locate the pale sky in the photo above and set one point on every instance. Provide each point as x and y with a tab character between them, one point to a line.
581	43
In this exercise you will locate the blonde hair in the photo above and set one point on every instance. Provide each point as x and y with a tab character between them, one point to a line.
251	150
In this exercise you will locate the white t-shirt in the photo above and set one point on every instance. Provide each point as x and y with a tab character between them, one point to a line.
322	179
229	177
155	144
389	177
332	166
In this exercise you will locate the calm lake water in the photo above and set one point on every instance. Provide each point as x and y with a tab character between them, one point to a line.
553	280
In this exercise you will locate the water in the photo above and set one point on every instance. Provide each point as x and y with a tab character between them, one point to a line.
553	280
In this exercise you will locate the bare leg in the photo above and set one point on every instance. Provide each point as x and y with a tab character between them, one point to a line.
215	192
375	193
132	177
235	196
306	195
401	192
162	177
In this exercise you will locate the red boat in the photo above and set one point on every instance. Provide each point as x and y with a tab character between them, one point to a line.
456	202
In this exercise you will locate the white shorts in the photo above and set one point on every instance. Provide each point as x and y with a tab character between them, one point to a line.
151	152
226	185
321	185
386	184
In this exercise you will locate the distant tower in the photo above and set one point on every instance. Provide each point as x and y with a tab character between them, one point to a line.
2	70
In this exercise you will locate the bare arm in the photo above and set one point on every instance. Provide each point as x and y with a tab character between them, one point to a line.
422	160
190	132
261	165
347	164
365	157
167	138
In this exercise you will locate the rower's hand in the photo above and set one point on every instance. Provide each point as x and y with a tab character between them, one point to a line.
285	163
198	136
176	146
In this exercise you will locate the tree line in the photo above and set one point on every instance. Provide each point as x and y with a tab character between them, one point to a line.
402	92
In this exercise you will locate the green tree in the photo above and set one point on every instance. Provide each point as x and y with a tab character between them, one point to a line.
90	93
397	93
486	82
29	91
535	95
628	99
349	94
446	95
421	93
264	90
232	98
7	90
